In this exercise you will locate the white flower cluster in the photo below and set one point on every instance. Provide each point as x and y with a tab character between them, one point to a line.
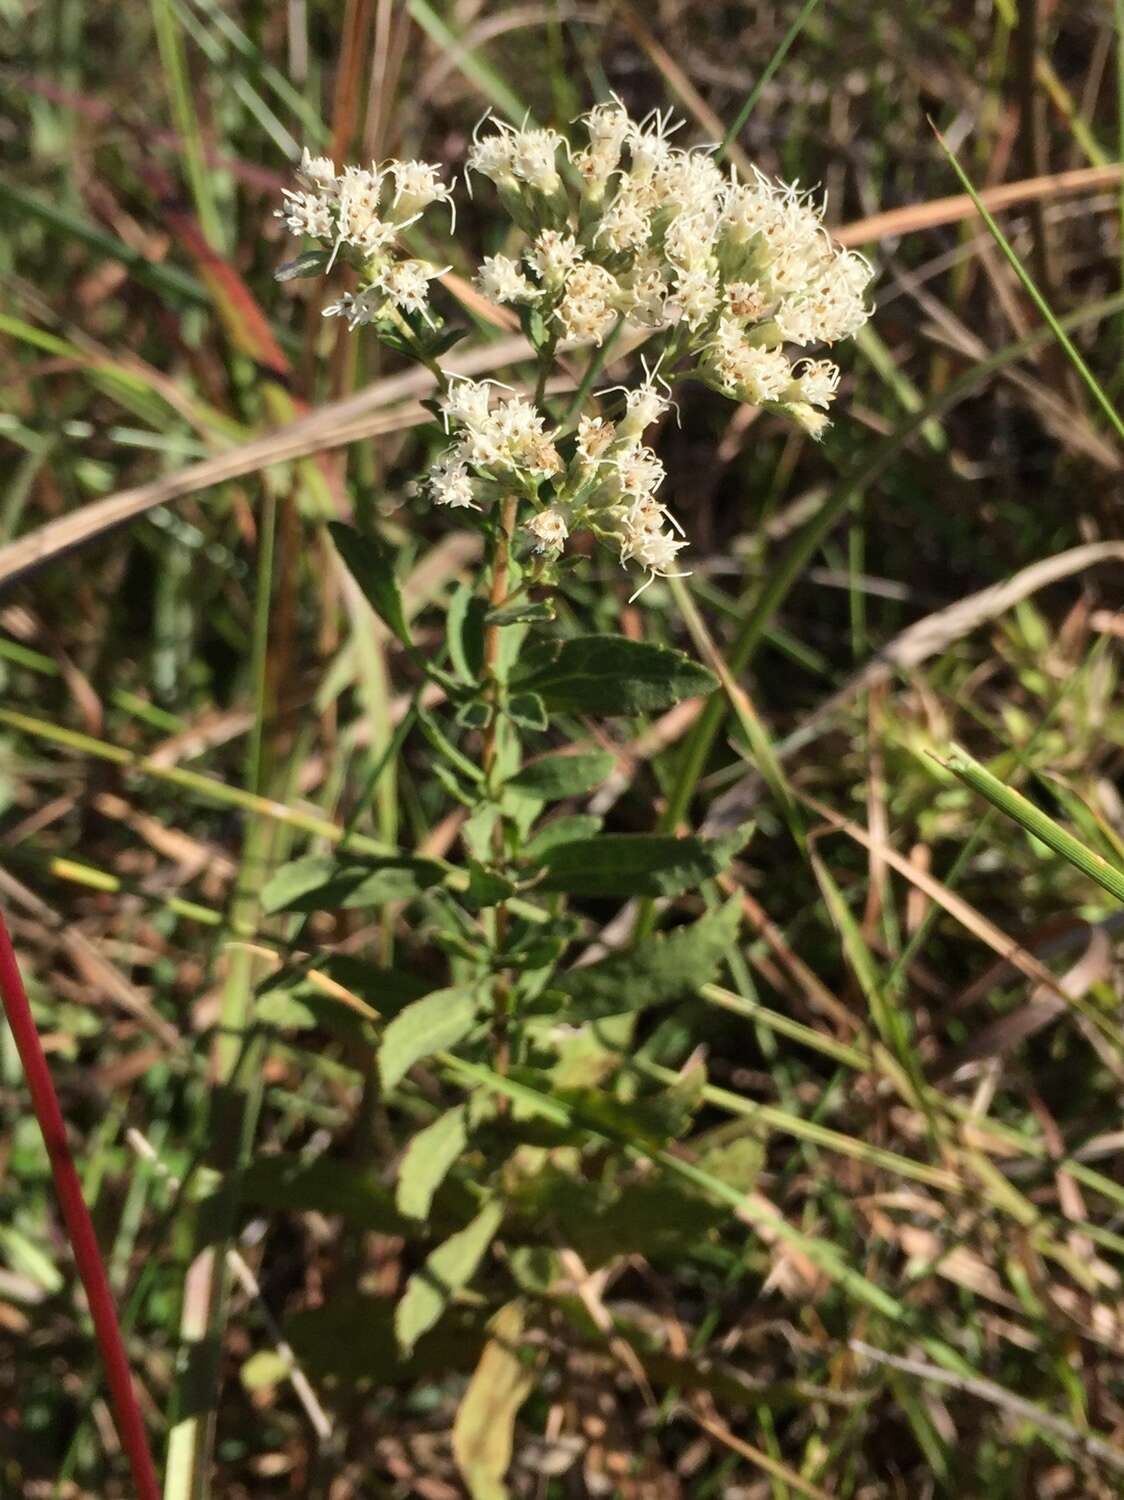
658	235
363	211
730	278
506	443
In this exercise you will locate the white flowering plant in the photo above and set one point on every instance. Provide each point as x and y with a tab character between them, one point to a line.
619	238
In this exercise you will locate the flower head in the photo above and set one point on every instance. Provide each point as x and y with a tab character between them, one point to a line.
549	530
501	280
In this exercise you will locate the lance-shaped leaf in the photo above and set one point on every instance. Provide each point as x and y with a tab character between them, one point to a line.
431	1025
370	564
322	882
557	776
609	674
634	864
483	1431
446	1271
427	1160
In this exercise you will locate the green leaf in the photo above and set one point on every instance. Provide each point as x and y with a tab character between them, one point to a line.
350	1337
384	990
649	1122
308	263
737	1163
427	1160
557	776
561	831
475	714
430	1025
369	563
661	969
444	746
464	633
522	612
609	674
321	1186
485	887
636	864
446	1271
484	1428
528	711
322	882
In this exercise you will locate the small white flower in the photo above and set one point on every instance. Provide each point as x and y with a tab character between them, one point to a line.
648	147
358	309
696	295
595	436
644	404
494	155
451	484
501	280
549	530
607	126
644	294
754	374
626	224
406	284
690	183
533	159
466	401
317	172
640	470
745	300
359	223
643	539
310	214
816	382
554	255
588	309
417	184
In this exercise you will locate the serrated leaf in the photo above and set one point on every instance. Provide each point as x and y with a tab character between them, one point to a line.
322	882
370	564
609	674
308	263
651	1121
635	864
431	1025
528	711
484	1427
446	1271
557	776
427	1160
661	969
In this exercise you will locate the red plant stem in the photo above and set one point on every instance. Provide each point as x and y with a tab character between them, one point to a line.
79	1226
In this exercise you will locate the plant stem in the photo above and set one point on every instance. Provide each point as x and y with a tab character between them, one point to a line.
501	560
79	1227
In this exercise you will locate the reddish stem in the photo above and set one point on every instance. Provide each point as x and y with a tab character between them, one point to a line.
79	1226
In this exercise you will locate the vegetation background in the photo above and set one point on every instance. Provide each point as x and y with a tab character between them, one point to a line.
192	695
